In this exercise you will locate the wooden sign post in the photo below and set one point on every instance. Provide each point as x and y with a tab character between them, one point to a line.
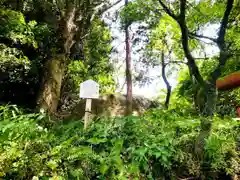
88	90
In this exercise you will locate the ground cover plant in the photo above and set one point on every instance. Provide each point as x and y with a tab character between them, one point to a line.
157	145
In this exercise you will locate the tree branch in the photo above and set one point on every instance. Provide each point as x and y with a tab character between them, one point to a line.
223	26
107	7
185	43
168	10
176	62
191	34
224	56
181	20
204	58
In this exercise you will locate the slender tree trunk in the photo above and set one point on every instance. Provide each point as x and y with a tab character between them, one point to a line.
169	87
195	89
128	69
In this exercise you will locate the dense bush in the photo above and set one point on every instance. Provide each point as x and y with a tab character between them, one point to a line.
159	144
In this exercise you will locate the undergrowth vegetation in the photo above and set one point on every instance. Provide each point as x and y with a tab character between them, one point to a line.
156	145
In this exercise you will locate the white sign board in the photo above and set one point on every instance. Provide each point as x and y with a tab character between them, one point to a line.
89	89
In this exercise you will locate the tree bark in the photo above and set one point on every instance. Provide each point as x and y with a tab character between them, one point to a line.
169	87
206	98
54	69
128	69
50	90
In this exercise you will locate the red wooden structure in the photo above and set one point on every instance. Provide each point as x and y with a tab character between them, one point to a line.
229	82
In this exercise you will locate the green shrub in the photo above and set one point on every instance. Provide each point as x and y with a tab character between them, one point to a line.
158	144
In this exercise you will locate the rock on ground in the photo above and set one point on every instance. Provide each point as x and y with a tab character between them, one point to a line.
110	105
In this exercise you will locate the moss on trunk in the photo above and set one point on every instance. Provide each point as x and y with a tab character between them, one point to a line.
49	94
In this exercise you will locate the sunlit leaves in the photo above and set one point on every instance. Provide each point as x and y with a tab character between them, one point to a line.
134	12
96	64
18	39
203	13
15	28
233	37
166	37
8	53
140	11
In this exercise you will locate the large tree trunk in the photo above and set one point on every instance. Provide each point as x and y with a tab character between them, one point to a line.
207	99
54	69
128	69
50	90
207	108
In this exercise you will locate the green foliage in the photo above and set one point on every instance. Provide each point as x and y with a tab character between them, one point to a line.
200	14
205	12
227	101
156	145
12	55
134	12
26	45
96	64
15	28
17	35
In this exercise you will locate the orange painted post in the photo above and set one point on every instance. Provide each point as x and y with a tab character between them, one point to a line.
238	111
229	82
